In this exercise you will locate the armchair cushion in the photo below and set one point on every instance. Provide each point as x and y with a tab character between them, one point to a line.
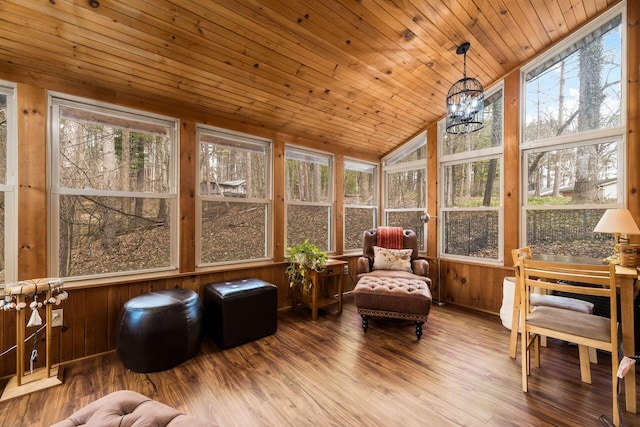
392	259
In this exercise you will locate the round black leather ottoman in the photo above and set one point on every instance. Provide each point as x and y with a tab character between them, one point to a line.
159	330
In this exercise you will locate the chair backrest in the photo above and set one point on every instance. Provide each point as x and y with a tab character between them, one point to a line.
370	239
518	254
581	279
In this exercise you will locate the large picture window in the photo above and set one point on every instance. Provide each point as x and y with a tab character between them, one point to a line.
309	198
471	173
360	203
573	150
234	197
8	194
405	187
113	190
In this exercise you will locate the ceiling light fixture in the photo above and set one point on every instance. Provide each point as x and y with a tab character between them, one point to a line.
465	101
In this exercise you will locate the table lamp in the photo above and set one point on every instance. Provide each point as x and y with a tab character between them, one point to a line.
617	222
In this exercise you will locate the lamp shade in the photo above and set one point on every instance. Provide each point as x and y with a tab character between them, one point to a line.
617	221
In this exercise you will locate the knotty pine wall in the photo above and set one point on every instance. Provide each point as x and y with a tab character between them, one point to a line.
90	313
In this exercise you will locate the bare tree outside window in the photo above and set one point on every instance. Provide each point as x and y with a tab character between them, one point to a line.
471	170
573	122
405	185
114	190
309	198
360	205
233	197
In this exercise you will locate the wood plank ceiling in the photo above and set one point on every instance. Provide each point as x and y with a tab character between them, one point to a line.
361	75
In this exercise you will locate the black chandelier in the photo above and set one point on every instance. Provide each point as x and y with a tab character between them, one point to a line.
465	101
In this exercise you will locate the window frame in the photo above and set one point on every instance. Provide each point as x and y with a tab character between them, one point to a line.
10	188
391	164
267	201
57	100
330	203
375	206
576	139
446	160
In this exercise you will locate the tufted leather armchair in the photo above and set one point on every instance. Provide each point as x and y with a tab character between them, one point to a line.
126	408
419	266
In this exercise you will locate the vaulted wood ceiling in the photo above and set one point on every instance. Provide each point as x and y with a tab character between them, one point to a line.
364	75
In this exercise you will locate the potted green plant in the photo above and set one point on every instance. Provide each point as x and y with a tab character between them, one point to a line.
301	258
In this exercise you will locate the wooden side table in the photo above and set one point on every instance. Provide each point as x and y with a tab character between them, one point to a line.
326	288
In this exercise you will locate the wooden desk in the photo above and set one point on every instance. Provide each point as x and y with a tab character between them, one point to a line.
326	288
626	280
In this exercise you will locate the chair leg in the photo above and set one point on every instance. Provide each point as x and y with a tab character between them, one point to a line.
536	349
515	323
585	367
524	355
593	355
419	329
365	322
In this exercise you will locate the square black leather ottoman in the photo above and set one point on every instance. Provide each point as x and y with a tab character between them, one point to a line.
240	311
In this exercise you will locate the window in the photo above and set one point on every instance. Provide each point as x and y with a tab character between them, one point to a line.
233	197
309	198
471	173
405	187
113	195
360	203
573	150
8	193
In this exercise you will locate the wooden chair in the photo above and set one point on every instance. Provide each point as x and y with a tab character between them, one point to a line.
541	299
586	330
517	255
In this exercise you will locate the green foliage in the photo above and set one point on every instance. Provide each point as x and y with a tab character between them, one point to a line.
301	258
547	200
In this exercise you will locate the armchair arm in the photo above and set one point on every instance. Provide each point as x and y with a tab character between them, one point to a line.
363	265
420	267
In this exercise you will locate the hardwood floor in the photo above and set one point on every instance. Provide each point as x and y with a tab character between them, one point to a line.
329	373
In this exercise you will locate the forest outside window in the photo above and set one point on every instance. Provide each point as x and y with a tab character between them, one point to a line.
405	187
573	150
8	193
471	173
309	198
233	198
113	191
360	202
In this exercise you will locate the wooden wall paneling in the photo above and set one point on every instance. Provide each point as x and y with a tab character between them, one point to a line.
187	177
91	319
101	308
32	182
278	238
633	109
339	204
8	340
455	275
117	295
511	164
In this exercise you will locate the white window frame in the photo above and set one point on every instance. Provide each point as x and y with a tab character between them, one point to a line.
330	203
267	201
469	157
390	165
56	100
577	139
365	167
10	188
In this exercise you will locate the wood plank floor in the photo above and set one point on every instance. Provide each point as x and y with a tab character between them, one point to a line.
329	373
